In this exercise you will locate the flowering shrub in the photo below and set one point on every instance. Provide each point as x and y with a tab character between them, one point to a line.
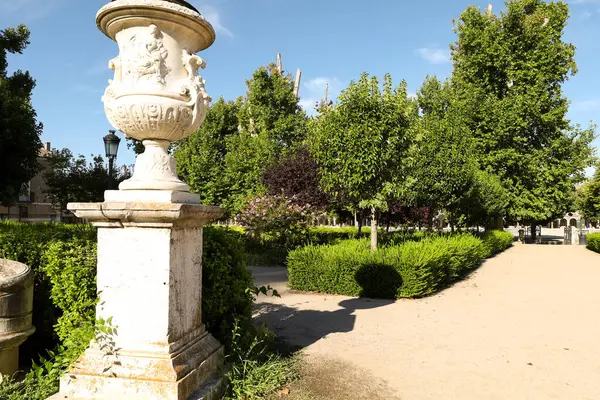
275	219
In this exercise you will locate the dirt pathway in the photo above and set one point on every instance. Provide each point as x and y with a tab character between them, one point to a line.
526	325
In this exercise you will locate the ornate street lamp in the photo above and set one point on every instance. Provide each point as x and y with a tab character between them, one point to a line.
111	145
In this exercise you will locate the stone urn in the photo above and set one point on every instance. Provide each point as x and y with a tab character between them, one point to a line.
16	307
157	95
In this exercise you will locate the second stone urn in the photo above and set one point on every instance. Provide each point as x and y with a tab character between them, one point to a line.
157	95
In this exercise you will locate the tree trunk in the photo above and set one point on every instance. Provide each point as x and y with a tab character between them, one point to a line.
359	224
533	233
373	229
430	219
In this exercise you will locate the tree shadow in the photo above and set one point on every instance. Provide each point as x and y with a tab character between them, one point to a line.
378	281
301	328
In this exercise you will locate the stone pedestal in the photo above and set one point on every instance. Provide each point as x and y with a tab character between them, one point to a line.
150	288
16	307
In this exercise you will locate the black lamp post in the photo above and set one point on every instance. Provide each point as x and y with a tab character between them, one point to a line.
111	145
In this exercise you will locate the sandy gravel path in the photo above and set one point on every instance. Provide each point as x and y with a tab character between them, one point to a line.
526	325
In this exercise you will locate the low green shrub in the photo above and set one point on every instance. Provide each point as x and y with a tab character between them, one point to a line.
496	242
411	269
593	242
226	279
29	243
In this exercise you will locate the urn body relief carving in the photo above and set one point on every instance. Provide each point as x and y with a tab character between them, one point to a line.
156	95
150	232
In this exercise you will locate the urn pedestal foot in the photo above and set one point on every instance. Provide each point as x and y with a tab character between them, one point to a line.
155	169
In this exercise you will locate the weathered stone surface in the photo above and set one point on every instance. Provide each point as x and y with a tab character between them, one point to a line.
16	307
157	95
150	215
155	196
150	287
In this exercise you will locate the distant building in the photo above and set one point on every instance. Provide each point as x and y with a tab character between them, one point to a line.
33	204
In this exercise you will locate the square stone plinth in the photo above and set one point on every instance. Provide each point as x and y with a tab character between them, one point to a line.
150	288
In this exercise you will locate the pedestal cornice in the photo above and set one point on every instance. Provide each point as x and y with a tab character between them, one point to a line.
148	215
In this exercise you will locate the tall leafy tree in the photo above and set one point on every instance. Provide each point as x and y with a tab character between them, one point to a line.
444	165
19	130
201	157
508	75
271	124
360	144
588	198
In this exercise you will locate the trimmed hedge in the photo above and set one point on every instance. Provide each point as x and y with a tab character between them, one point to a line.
412	269
593	242
496	242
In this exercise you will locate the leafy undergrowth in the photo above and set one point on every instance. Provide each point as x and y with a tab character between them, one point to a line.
258	370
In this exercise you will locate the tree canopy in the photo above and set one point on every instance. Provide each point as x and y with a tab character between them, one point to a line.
360	144
201	157
508	75
74	179
19	129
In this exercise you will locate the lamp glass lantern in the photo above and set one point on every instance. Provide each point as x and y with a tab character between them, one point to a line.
111	145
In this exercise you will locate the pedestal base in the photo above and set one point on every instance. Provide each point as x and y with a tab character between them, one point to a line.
150	288
194	373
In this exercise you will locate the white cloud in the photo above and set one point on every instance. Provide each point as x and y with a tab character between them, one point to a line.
586	105
212	15
434	55
313	90
586	15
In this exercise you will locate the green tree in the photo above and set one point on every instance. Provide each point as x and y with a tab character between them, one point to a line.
73	179
201	157
271	124
361	143
508	76
486	201
588	198
19	130
444	165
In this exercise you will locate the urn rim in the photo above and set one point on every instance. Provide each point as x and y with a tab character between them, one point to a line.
122	14
179	2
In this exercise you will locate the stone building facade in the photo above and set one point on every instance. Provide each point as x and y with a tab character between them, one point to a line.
33	204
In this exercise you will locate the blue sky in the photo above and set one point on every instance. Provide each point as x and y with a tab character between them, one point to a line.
330	40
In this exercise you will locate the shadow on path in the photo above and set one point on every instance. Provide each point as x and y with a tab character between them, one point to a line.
301	328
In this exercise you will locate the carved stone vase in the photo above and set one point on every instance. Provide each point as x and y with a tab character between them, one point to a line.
156	95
